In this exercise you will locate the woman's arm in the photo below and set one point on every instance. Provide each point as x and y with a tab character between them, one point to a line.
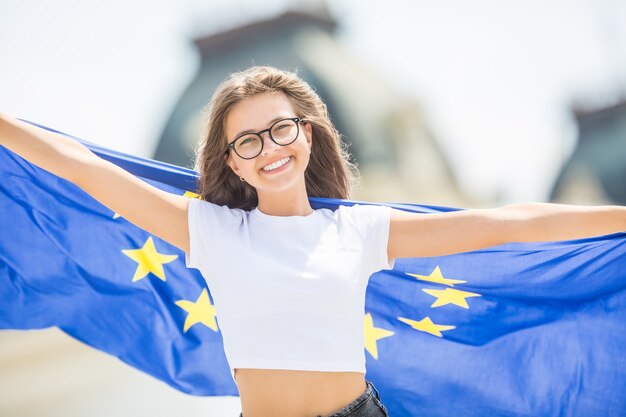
160	213
418	235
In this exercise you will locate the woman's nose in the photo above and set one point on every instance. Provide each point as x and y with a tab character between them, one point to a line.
268	144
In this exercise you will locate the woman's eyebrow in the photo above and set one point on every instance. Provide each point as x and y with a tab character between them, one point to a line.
269	123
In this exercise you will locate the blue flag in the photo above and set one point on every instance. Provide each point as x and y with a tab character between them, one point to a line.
514	330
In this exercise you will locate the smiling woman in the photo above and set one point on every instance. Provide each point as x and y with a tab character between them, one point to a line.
280	147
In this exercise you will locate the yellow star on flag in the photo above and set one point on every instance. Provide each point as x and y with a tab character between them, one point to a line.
437	278
116	215
373	334
450	296
191	195
148	260
426	325
200	311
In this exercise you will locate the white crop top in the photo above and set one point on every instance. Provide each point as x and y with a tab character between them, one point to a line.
289	291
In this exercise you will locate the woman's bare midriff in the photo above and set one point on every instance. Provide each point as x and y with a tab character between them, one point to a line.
289	393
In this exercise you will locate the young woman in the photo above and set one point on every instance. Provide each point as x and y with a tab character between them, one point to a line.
270	260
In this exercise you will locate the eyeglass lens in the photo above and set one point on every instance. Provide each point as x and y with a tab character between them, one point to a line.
283	132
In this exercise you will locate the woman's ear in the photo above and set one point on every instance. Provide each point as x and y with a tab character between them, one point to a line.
309	133
230	161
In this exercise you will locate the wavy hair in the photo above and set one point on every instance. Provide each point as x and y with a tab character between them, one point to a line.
330	173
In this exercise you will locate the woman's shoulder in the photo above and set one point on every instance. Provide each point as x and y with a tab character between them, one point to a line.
363	209
362	214
209	208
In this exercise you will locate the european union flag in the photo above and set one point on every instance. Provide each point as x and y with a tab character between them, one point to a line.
514	330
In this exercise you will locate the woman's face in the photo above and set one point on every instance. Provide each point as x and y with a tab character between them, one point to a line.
258	113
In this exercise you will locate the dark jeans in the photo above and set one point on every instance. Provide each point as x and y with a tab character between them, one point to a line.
367	405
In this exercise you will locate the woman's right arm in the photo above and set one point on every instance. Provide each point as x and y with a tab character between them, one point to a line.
158	212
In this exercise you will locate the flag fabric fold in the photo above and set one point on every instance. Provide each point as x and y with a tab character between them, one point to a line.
521	329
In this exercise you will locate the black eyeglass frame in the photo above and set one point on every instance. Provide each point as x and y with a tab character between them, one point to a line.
231	145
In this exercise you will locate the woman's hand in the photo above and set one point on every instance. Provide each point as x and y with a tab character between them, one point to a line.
419	235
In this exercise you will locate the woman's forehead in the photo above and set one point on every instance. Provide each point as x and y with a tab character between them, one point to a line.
256	113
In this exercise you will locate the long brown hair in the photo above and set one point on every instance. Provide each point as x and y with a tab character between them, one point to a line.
330	173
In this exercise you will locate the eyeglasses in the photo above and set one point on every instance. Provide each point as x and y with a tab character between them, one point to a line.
282	132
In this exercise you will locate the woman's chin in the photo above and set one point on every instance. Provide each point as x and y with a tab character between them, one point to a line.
280	185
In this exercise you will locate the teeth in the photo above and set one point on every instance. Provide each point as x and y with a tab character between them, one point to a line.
276	164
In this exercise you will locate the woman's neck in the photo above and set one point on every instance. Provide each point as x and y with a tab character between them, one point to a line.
285	204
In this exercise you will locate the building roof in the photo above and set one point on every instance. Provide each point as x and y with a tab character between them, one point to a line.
214	44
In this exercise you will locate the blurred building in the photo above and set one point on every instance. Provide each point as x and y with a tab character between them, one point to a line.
398	158
596	171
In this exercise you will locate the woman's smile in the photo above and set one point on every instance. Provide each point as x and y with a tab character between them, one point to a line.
277	166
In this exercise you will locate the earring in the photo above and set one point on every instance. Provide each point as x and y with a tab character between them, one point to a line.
241	178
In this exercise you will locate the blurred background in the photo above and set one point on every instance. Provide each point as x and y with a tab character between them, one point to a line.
454	103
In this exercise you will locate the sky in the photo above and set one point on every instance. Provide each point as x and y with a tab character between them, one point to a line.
494	78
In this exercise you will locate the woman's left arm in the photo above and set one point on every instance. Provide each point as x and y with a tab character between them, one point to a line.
419	235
